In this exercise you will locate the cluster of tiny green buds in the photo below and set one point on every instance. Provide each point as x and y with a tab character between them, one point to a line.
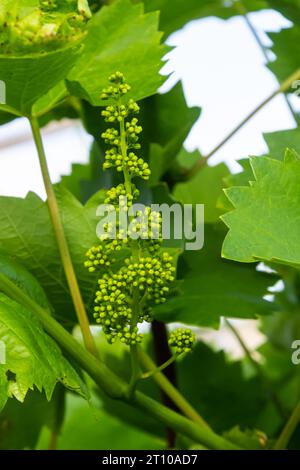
43	28
152	276
102	256
137	166
115	195
132	163
126	294
113	303
182	340
113	309
118	113
127	136
118	87
147	226
111	136
97	257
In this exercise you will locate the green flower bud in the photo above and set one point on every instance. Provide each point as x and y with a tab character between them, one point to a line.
182	340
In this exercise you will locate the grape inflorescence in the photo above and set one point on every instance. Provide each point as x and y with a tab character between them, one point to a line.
128	291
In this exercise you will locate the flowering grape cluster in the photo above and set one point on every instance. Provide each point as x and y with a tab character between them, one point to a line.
182	340
118	88
115	156
127	293
149	277
114	114
97	256
117	194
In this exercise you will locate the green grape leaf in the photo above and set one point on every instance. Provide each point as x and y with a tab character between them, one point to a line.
23	279
278	141
265	222
6	117
119	37
289	8
31	358
21	423
50	99
237	179
248	439
91	428
173	18
26	231
278	368
286	47
117	359
31	77
204	188
218	389
166	121
212	287
85	179
188	159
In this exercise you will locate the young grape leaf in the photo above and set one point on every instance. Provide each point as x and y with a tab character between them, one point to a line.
31	357
120	37
204	188
237	179
278	141
212	287
265	222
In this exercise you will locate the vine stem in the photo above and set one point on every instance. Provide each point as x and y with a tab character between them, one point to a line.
183	405
281	89
288	429
160	368
62	242
179	422
110	383
135	366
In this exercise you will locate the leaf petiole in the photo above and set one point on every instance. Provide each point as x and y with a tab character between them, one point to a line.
160	368
62	242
